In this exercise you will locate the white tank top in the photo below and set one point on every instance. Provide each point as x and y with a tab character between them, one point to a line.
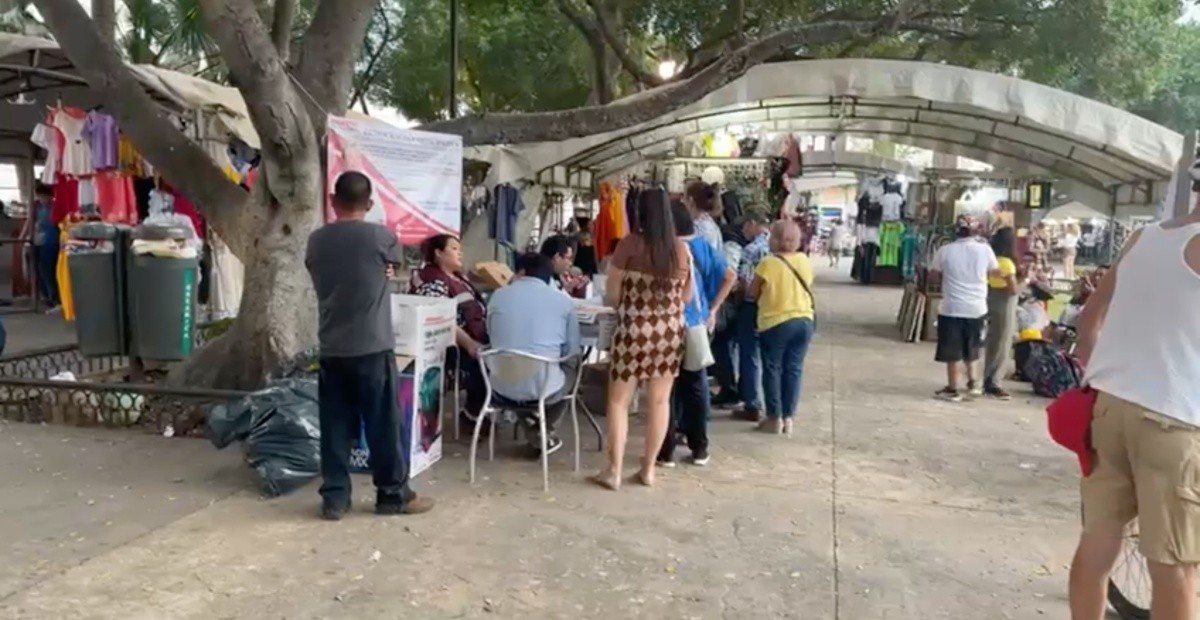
1148	352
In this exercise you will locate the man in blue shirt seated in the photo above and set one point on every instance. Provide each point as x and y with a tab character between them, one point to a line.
531	316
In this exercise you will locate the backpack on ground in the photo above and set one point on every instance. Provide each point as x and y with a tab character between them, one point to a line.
1052	372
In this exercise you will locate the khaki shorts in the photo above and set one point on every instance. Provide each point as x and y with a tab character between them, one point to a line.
1147	467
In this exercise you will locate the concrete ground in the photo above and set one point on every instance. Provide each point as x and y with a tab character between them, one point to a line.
28	331
887	504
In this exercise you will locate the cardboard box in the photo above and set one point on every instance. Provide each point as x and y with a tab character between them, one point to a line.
424	329
492	275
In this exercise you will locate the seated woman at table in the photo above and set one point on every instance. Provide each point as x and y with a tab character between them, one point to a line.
442	276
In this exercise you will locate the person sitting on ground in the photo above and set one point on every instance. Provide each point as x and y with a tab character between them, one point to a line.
786	311
963	268
530	316
691	401
349	261
560	250
442	276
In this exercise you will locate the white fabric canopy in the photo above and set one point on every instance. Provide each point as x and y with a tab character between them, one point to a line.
1017	126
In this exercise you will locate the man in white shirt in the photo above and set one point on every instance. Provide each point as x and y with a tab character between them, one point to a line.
963	268
1139	337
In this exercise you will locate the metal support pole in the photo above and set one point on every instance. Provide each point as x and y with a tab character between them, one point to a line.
1183	178
453	103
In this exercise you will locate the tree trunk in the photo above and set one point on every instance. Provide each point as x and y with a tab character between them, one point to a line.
278	314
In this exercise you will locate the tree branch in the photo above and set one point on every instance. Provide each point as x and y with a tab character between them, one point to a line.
281	26
601	80
332	44
183	162
561	125
367	77
604	21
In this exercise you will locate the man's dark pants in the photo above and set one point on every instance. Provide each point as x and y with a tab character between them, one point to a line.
355	392
690	407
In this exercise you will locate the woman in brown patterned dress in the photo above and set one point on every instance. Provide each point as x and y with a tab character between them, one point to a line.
647	278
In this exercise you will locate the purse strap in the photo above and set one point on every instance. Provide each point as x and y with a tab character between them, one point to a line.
799	279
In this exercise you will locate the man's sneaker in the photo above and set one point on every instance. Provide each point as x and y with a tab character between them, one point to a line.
997	393
668	463
392	505
331	511
748	415
974	390
700	459
949	394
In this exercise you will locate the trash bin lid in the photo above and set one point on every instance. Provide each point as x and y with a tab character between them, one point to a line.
94	231
161	232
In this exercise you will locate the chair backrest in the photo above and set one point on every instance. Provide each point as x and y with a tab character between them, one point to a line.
513	367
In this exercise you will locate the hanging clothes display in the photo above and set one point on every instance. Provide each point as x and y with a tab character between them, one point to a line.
890	234
51	140
100	131
227	281
609	225
76	156
502	218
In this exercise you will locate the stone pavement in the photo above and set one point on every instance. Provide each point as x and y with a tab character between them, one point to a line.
886	504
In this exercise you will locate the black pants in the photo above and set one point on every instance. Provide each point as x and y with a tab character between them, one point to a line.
472	380
689	413
356	392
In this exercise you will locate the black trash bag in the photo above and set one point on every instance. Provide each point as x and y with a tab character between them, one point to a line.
280	426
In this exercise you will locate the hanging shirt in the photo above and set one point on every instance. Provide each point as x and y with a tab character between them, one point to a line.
76	154
100	131
51	141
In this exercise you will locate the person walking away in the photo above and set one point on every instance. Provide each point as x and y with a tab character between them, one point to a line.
704	205
647	281
1070	247
690	398
43	237
786	313
530	316
754	227
837	241
349	261
963	267
1139	339
1001	314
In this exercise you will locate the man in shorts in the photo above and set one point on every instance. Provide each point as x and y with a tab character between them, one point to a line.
1139	338
963	267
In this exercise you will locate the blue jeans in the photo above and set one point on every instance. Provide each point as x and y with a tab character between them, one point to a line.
783	350
748	362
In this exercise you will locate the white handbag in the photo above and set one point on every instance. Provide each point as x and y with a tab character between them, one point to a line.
697	350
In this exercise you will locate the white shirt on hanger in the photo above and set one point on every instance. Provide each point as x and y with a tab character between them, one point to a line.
76	155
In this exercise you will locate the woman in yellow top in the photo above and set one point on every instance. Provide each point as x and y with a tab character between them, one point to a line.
782	285
1002	314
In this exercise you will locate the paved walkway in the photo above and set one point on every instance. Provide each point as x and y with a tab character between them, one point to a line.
886	504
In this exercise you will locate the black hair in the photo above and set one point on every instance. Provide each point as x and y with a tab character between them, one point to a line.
535	265
703	195
431	246
352	190
41	189
558	245
657	227
1004	243
685	226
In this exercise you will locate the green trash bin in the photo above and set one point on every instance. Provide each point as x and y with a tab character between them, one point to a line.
96	268
163	287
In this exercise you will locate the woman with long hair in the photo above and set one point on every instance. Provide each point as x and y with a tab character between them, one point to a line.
1002	314
786	311
648	277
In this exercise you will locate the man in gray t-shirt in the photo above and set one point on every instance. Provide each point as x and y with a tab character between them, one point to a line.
349	261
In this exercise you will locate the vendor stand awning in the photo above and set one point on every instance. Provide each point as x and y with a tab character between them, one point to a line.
1020	127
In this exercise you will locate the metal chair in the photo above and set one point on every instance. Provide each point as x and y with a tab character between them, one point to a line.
513	367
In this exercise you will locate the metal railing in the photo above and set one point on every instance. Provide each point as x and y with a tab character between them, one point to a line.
115	405
98	396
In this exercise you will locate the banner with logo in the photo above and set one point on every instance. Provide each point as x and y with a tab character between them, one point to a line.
416	175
